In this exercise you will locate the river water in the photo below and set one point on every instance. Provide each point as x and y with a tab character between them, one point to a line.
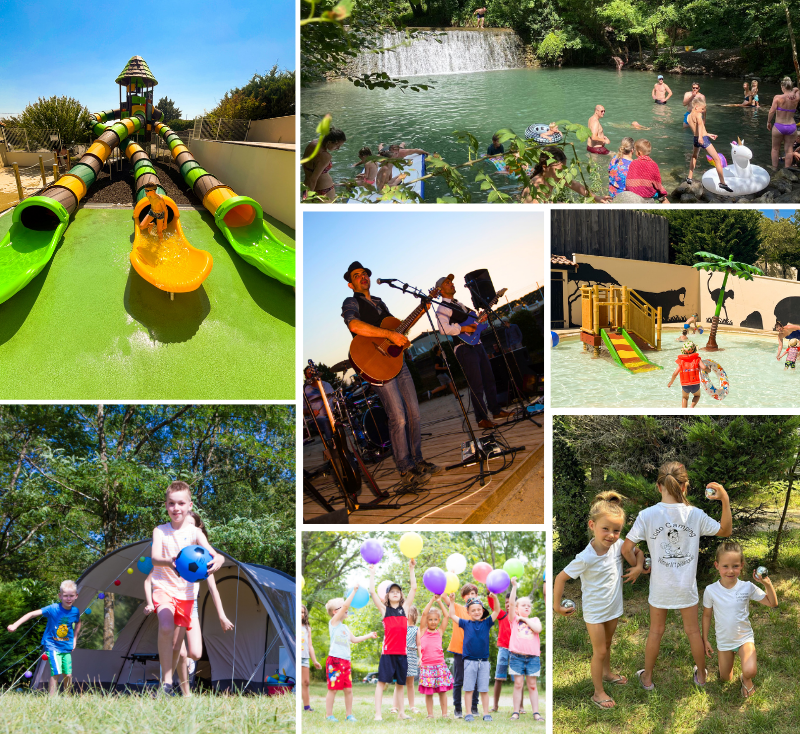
483	102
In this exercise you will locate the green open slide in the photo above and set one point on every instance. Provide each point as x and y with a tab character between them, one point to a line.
24	252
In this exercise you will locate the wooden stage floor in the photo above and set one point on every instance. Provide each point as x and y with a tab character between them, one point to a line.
451	497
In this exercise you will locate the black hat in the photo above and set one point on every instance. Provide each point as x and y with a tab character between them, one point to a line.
355	265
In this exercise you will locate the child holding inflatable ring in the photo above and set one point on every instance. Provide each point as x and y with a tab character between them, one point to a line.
689	367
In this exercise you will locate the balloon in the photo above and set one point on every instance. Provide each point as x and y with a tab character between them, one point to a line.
498	581
145	564
456	563
130	571
435	580
452	583
302	583
480	571
117	582
411	545
88	610
361	599
383	588
45	656
554	338
514	567
28	674
101	595
371	551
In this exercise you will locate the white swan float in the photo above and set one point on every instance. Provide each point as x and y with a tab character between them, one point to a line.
743	178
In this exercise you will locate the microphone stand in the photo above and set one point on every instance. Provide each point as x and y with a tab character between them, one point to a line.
472	286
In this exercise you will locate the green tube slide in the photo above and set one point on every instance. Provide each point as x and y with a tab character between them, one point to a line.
39	222
239	218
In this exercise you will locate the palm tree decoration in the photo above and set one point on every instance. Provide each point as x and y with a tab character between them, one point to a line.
718	264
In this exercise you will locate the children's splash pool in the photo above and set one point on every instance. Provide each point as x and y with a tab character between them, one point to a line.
757	379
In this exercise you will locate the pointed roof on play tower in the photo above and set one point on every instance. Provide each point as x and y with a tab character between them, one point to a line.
137	68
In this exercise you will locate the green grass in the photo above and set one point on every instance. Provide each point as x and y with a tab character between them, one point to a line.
96	713
677	706
364	711
88	327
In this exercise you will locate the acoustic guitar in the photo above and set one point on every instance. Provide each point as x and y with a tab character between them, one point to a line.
375	358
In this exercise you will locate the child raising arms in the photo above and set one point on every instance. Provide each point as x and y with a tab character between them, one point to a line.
672	529
434	676
599	567
524	663
728	600
394	662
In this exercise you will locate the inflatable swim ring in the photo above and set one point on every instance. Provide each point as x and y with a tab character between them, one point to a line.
555	338
534	132
722	160
718	393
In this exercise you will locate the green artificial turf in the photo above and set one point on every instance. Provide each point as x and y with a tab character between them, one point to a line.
90	328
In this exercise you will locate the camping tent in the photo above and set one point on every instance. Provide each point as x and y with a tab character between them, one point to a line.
260	601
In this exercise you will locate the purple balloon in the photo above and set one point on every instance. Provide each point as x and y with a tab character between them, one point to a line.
498	581
28	674
435	580
371	551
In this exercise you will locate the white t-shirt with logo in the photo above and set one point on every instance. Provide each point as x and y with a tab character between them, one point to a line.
601	582
732	612
672	533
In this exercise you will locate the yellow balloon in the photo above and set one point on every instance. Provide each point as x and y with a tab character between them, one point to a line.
452	583
411	545
302	583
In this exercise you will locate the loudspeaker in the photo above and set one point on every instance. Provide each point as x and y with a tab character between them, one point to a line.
524	376
481	281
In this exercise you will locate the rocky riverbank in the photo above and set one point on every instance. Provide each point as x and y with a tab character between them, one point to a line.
784	188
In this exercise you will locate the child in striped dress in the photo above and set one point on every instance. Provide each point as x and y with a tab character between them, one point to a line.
413	657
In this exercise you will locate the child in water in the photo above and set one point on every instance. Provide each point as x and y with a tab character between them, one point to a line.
158	211
791	354
728	601
689	366
684	336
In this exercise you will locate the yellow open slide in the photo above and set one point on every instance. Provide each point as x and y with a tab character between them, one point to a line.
172	265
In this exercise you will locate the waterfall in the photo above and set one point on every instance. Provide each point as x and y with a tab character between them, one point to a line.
452	52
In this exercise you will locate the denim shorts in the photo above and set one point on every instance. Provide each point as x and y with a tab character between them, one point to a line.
501	670
305	662
524	664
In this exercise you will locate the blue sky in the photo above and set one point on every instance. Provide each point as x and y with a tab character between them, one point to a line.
417	247
197	51
774	214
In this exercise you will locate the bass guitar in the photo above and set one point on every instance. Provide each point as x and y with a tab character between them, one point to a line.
475	337
376	358
345	466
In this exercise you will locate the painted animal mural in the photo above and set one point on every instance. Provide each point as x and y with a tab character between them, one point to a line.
715	296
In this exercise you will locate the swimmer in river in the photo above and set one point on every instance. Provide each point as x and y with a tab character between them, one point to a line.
661	92
702	141
687	101
636	126
748	98
597	140
552	132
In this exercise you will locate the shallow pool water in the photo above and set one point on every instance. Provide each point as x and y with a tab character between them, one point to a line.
483	102
757	379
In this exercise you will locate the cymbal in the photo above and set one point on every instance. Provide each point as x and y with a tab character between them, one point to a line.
342	366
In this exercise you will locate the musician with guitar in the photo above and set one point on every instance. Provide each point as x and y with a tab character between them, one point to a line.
363	314
457	320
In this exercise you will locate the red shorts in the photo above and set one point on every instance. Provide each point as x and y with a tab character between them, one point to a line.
181	608
337	671
598	150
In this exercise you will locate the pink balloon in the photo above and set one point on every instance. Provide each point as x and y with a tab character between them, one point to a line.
480	571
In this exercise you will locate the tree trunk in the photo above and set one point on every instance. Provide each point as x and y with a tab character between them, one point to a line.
794	45
775	549
641	53
108	621
711	345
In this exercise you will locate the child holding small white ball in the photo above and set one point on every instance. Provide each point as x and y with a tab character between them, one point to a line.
728	601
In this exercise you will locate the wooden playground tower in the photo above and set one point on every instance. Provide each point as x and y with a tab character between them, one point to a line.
617	307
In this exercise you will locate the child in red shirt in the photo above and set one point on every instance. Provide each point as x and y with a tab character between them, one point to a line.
644	178
689	367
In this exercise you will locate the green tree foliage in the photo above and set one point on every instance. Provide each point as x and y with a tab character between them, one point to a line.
780	245
264	96
65	114
169	108
743	453
81	481
328	559
735	233
570	496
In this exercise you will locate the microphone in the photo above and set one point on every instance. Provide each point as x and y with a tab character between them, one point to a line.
381	281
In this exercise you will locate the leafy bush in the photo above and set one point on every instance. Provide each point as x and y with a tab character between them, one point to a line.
264	96
65	114
570	496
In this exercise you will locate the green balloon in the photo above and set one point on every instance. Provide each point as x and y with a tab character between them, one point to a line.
513	567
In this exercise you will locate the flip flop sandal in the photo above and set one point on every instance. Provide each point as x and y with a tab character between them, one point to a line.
537	716
694	678
393	710
619	680
746	692
651	687
599	704
515	716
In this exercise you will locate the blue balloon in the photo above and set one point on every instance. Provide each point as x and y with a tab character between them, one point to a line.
361	599
88	610
192	563
145	564
101	595
555	338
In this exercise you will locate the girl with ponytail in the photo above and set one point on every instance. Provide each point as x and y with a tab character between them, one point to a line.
672	530
599	567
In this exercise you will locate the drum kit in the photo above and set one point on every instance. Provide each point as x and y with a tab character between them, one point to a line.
359	410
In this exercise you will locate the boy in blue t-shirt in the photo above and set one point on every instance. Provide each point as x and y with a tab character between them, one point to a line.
476	651
59	638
